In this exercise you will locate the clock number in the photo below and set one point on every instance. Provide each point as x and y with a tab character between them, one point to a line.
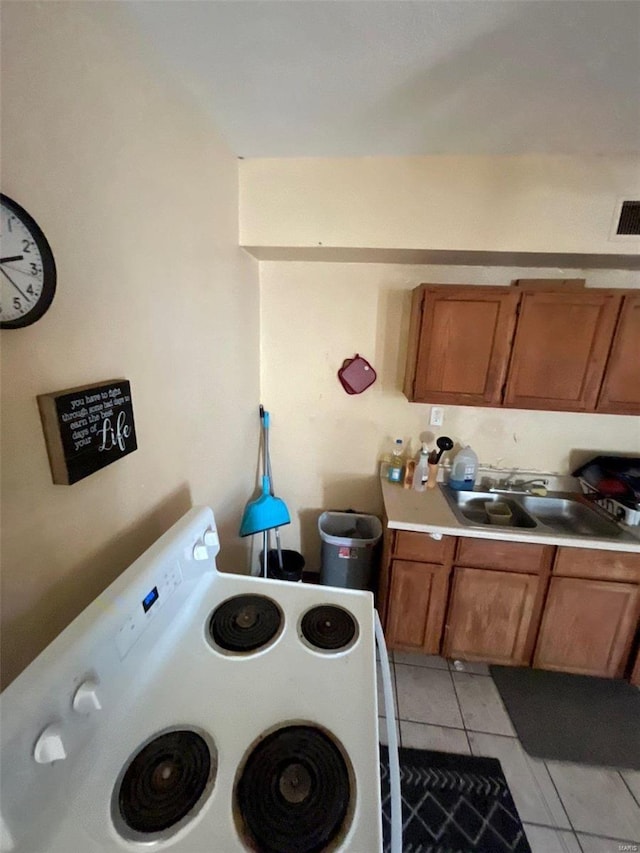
9	221
30	290
25	246
34	269
17	304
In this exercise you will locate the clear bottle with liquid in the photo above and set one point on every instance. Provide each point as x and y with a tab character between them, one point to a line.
396	463
421	474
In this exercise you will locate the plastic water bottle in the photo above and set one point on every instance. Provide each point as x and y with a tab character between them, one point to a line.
464	470
396	464
421	474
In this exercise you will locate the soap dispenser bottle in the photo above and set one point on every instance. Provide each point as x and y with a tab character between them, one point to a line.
464	470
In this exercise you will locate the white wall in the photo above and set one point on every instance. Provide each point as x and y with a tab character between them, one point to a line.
139	200
325	443
539	204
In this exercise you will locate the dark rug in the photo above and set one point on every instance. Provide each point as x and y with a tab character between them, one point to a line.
452	804
579	718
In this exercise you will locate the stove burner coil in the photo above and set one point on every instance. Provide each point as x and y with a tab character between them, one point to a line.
245	623
328	627
164	781
294	791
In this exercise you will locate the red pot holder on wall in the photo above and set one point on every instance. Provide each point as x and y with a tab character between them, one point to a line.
356	375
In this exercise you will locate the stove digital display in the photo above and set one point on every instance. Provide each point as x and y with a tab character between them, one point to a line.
150	599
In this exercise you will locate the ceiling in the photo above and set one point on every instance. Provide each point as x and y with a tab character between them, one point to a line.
330	78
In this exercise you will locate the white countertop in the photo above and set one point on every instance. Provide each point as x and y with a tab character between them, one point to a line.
429	512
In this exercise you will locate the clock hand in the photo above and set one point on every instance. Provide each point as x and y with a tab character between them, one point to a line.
18	269
11	258
24	296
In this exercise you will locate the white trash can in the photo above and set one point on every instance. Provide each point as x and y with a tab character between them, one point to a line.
349	542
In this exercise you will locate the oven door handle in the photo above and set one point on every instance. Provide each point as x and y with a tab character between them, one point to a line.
392	738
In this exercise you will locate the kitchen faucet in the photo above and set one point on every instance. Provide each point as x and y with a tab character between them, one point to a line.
536	486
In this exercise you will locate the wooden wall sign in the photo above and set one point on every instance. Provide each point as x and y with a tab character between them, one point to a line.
87	428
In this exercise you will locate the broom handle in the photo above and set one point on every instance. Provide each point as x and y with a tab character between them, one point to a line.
265	552
267	469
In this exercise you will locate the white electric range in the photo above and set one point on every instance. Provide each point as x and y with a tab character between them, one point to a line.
191	710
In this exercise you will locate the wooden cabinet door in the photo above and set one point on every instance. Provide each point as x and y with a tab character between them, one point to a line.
459	344
588	626
620	392
560	349
490	616
416	608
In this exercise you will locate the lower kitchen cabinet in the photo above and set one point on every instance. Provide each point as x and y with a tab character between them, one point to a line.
515	603
417	602
588	626
490	616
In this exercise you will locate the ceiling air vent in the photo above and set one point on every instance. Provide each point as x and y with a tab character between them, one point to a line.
629	222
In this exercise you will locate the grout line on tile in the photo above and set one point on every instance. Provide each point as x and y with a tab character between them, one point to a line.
541	793
464	725
636	800
493	734
557	830
422	666
437	725
434	725
452	669
553	782
605	837
547	826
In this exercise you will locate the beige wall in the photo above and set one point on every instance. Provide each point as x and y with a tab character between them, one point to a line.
325	443
138	198
485	204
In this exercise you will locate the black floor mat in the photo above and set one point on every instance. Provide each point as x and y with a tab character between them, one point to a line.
452	804
563	717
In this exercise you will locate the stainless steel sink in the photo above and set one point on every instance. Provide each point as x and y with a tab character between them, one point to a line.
469	508
568	515
559	512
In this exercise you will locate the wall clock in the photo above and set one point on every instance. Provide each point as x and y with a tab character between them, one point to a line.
27	268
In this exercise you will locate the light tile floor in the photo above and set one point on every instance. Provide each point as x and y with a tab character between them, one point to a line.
565	808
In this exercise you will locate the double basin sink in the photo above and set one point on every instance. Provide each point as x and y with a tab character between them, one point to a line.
557	513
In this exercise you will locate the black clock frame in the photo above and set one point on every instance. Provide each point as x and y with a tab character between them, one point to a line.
49	273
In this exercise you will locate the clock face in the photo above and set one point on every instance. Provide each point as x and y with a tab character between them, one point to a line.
27	268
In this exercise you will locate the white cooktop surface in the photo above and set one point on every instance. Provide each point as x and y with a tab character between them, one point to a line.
173	678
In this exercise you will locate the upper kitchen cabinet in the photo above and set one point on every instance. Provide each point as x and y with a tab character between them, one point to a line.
560	349
459	342
620	392
537	347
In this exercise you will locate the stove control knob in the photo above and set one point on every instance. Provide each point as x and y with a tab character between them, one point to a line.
85	699
210	537
49	746
200	551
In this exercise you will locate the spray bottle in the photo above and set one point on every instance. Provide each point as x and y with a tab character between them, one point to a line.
421	474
